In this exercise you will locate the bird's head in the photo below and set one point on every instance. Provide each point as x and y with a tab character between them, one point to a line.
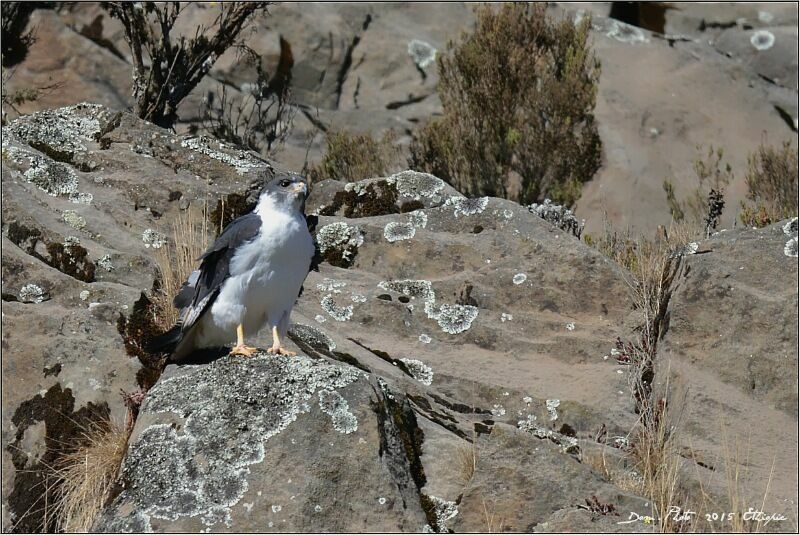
287	191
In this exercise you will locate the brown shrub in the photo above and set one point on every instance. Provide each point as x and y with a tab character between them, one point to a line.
772	182
354	156
518	96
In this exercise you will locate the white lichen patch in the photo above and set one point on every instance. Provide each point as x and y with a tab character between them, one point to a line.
567	444
334	405
276	508
419	370
64	129
519	278
558	216
527	400
358	298
691	248
394	231
498	410
790	227
422	53
341	237
466	207
242	161
252	399
765	17
625	33
54	178
552	405
331	286
570	326
32	293
418	218
505	317
445	511
411	288
153	238
81	198
319	318
453	319
84	295
105	262
382	500
762	40
424	338
621	442
71	241
416	185
74	220
335	311
790	249
528	425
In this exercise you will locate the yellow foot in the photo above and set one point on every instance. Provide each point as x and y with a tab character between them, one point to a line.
243	350
281	351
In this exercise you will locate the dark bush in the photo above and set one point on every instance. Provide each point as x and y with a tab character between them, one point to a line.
165	67
518	96
261	118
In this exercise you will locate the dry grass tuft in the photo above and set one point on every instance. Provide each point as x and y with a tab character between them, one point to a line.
494	524
466	461
87	476
177	260
735	502
655	451
625	479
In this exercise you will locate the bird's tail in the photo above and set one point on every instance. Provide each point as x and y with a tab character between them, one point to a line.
165	343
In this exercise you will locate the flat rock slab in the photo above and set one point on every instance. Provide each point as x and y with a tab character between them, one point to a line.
730	353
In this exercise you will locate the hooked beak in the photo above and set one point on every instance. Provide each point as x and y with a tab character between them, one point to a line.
300	187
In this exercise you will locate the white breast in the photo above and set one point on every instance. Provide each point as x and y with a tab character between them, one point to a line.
265	275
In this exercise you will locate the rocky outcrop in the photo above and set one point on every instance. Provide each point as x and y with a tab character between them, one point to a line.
730	355
84	189
701	72
454	367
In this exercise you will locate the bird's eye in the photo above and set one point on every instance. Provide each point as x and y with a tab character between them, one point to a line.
284	183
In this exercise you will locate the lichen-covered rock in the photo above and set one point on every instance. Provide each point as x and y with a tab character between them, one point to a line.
268	443
83	203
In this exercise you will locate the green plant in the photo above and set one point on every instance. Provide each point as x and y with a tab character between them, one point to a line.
166	68
772	185
352	157
518	96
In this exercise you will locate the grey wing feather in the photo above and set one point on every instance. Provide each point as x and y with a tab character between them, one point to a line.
201	289
185	295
